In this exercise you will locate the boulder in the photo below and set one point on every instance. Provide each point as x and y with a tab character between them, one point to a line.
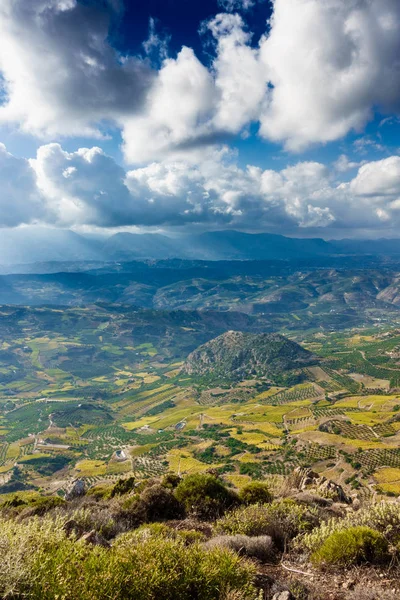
286	595
306	478
333	490
77	490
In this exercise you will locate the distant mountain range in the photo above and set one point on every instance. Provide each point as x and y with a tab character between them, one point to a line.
34	244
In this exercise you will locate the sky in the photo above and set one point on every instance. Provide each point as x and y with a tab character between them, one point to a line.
186	115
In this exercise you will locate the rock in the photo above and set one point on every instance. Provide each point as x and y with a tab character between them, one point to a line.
282	596
349	584
95	539
72	527
312	499
263	581
77	490
306	478
334	491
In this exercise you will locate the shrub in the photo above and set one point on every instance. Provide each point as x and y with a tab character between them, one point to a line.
37	505
40	562
260	547
255	493
41	505
100	492
383	517
99	518
188	536
351	547
282	520
123	486
160	504
205	496
155	503
132	513
171	480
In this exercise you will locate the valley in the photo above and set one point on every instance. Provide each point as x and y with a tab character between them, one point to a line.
104	391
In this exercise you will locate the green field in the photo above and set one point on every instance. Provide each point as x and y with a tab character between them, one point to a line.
72	404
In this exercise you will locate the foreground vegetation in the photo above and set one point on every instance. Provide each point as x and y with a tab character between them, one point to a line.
196	538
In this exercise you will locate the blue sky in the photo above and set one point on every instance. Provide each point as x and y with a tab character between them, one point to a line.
174	115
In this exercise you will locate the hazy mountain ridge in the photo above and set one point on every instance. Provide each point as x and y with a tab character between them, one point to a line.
34	244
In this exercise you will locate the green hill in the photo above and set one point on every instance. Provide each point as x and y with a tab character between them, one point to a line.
235	355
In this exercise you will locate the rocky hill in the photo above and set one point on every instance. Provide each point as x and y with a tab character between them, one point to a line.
236	355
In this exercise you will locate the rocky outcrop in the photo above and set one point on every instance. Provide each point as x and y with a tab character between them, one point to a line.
77	490
307	479
236	355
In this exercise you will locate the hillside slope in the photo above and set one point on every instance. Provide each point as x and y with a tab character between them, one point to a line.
238	355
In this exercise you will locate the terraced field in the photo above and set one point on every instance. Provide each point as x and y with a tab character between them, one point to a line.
83	394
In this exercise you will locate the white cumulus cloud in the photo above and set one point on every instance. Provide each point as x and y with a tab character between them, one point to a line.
60	74
88	188
20	200
320	70
330	63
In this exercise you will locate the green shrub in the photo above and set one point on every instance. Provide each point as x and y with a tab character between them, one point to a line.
171	480
36	505
40	562
100	492
383	517
160	504
123	486
41	505
98	517
352	547
255	493
188	536
260	547
155	503
282	520
205	496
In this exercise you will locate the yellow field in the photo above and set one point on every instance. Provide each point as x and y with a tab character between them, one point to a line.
117	468
366	418
271	392
331	439
6	468
180	460
294	430
270	429
248	437
246	457
238	481
140	450
299	413
388	479
90	468
172	373
29	457
151	378
387	475
12	451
